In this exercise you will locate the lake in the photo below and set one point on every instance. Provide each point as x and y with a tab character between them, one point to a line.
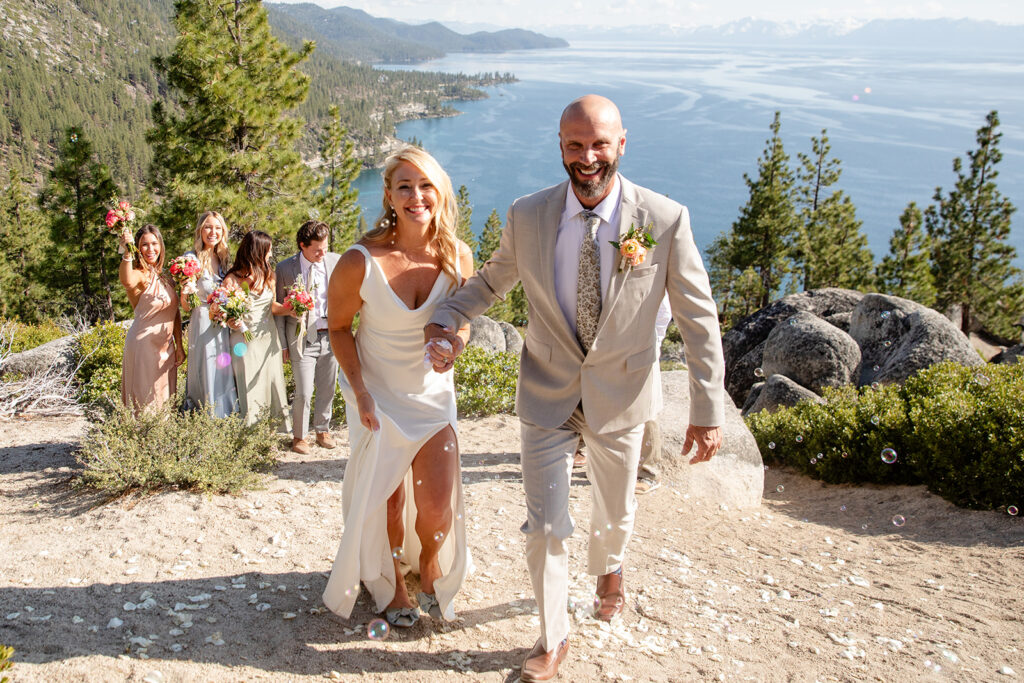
698	117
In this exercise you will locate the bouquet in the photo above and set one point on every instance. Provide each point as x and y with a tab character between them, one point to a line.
227	306
300	300
185	270
124	214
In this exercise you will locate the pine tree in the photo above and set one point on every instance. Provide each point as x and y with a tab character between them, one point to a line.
464	231
830	250
760	238
906	270
227	141
969	228
337	202
489	238
75	201
513	308
23	241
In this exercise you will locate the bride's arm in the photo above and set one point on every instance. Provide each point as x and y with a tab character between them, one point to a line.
343	303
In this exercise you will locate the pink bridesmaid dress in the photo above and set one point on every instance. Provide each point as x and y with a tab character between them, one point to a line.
148	374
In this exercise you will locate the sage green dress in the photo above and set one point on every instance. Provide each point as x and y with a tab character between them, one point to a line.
258	365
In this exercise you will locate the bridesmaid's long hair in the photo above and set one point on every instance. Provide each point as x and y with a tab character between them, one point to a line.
220	249
253	260
137	262
446	213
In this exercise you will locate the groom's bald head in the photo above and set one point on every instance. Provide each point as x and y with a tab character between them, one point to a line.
592	139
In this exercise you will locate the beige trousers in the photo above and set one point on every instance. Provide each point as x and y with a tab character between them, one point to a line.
547	472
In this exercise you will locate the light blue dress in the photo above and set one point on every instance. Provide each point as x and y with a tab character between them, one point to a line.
210	380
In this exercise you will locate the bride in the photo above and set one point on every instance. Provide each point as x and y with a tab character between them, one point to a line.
402	495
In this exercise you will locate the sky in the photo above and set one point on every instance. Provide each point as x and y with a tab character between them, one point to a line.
541	13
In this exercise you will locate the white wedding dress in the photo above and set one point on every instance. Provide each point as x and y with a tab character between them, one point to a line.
413	403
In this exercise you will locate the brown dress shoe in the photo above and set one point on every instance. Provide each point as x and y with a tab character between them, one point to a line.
324	440
543	666
611	598
579	460
300	446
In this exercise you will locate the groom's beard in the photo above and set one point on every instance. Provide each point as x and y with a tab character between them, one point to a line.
593	187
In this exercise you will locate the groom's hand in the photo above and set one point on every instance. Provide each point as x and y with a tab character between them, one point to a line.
442	359
707	439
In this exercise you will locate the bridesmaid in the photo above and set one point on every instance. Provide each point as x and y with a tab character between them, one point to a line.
258	364
152	348
210	381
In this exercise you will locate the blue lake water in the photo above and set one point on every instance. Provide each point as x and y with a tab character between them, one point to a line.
698	117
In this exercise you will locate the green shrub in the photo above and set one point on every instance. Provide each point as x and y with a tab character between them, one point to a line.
99	352
30	336
485	383
5	661
958	430
971	423
166	448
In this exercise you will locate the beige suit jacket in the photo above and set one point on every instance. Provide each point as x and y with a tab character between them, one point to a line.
618	381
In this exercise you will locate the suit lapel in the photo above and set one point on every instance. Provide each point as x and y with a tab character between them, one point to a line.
630	214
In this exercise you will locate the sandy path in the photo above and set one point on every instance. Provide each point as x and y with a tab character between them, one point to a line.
818	584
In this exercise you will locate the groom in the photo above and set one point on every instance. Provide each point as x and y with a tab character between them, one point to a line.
313	363
590	363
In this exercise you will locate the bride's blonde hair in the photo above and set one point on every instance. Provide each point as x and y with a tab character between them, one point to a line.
446	213
220	249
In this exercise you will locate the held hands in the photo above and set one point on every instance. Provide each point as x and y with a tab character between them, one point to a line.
707	439
367	411
442	357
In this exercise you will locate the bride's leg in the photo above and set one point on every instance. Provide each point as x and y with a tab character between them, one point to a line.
434	469
396	537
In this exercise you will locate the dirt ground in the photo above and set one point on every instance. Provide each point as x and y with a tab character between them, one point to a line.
817	584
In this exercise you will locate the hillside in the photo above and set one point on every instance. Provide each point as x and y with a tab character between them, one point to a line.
89	63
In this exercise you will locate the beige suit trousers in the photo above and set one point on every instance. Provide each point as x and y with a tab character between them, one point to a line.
547	474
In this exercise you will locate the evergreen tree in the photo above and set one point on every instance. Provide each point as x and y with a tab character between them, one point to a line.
23	241
337	201
227	142
760	239
969	228
83	257
489	238
512	309
464	231
906	270
830	250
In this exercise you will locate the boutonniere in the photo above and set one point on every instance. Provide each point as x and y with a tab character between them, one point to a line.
634	246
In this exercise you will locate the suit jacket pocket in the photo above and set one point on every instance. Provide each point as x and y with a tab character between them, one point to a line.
642	360
643	272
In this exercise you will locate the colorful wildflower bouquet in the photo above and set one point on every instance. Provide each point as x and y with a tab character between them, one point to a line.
119	219
300	300
186	270
231	306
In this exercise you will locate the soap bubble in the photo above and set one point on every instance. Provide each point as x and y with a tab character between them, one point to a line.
885	315
842	508
780	488
876	368
758	372
799	438
397	552
439	536
377	630
875	420
1012	510
888	456
223	359
899	520
771	445
240	349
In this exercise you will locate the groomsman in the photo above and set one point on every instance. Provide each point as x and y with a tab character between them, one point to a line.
313	363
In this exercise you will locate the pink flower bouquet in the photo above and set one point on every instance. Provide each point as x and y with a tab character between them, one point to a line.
185	270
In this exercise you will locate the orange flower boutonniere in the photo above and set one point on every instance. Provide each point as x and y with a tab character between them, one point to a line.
634	246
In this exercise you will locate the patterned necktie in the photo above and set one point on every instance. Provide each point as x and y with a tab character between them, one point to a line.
588	283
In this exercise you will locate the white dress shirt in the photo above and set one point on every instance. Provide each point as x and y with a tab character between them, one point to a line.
571	230
315	274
